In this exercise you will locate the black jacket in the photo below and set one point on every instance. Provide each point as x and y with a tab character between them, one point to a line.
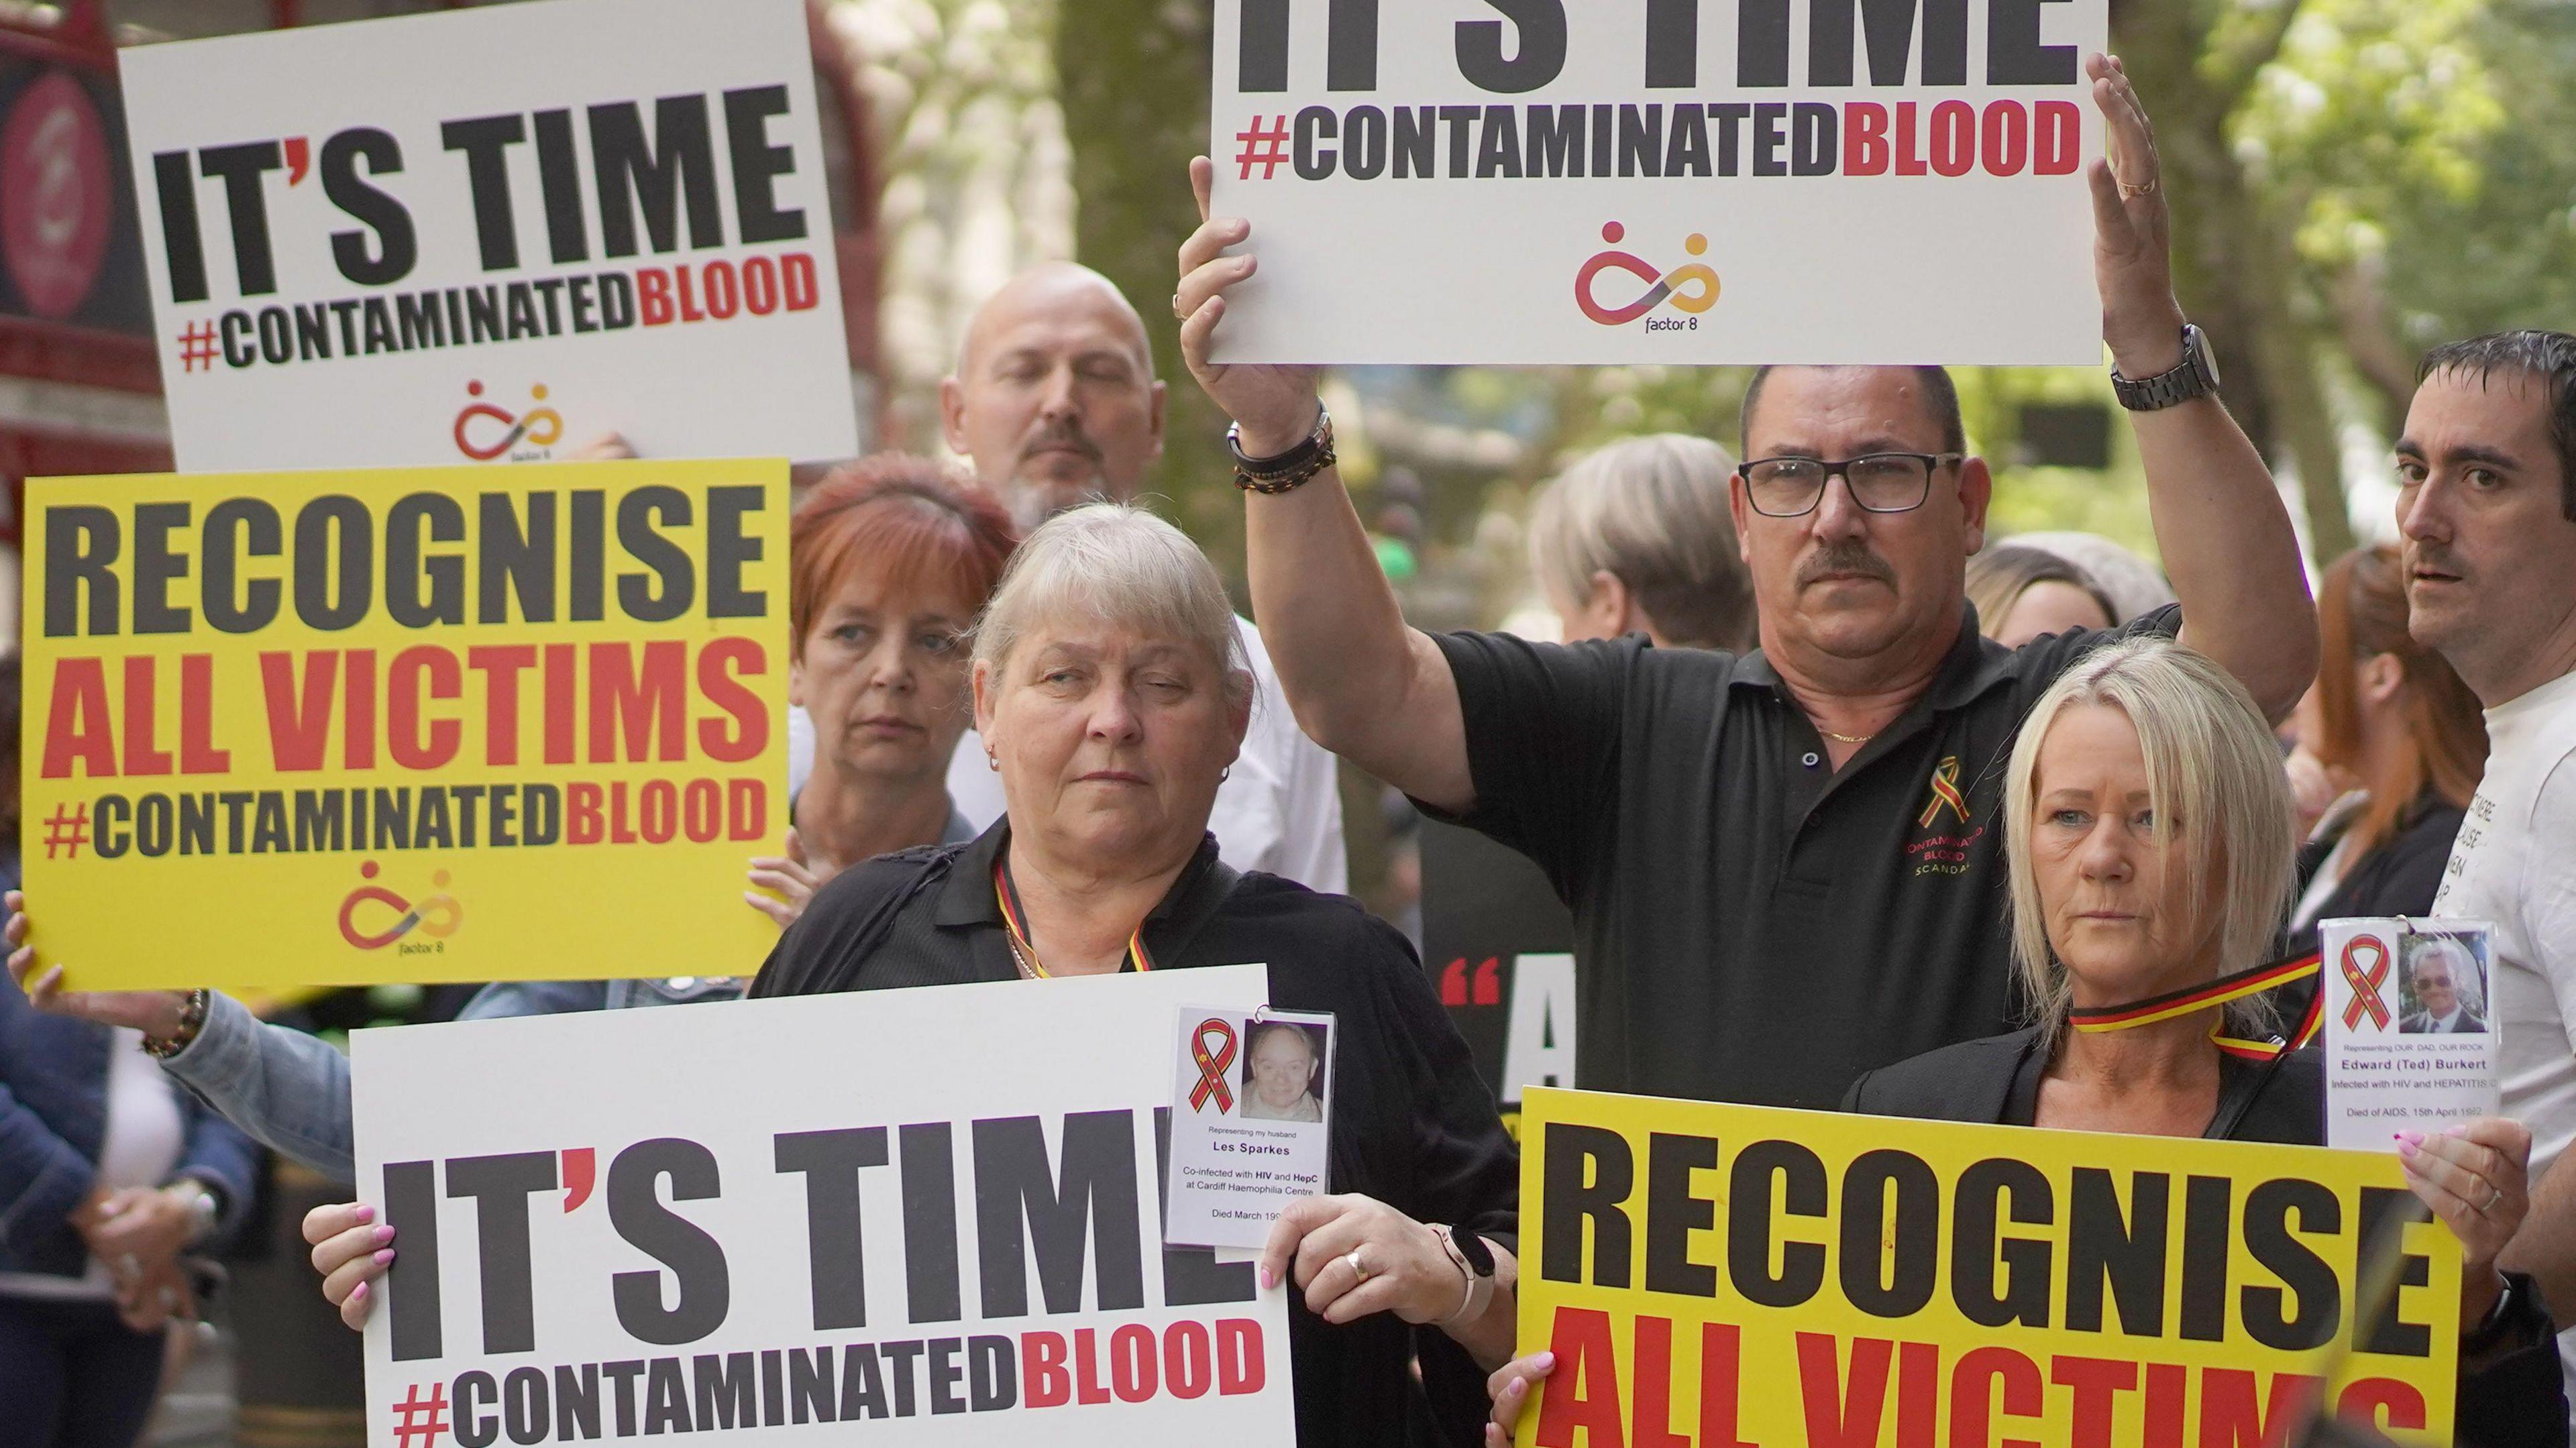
2513	1400
2398	878
1413	1125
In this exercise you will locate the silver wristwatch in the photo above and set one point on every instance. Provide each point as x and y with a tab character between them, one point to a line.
2195	376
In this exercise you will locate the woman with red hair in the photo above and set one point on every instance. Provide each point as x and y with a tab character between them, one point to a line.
2398	731
891	559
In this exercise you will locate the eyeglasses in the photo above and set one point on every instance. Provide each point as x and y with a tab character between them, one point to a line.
1880	482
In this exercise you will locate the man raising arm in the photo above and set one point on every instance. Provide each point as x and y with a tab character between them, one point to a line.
1730	829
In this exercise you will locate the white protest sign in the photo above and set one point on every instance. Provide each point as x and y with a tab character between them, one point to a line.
2408	1042
929	1213
495	233
1678	181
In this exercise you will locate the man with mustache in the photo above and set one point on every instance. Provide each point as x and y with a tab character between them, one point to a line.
1785	866
1055	401
2487	505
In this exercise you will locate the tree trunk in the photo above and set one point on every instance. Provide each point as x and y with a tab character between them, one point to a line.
1133	75
2232	266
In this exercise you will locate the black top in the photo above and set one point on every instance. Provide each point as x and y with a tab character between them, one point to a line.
1997	1080
2400	877
1751	924
1412	1125
2509	1395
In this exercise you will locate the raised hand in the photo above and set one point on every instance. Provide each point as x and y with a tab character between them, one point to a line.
2132	231
1273	406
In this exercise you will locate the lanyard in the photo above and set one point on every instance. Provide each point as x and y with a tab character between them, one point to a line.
2217	992
1025	955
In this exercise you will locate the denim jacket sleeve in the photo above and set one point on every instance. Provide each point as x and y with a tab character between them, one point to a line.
42	1176
220	1155
509	998
289	1090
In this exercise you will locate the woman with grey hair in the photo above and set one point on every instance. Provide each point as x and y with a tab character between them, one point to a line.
2149	849
1635	538
1111	694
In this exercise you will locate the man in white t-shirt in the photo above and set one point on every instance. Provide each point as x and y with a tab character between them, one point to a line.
2487	469
1055	401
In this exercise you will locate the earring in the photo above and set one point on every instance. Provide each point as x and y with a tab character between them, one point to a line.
992	761
1225	774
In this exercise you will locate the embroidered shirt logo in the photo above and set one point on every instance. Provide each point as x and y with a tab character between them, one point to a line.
1945	794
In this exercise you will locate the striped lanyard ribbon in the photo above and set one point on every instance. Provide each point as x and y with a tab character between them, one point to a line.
1014	920
2217	992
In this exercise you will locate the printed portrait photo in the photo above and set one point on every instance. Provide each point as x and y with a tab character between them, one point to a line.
2443	984
1283	1071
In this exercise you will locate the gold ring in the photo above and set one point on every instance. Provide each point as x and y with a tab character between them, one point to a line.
2144	188
2496	1196
1176	308
1357	1265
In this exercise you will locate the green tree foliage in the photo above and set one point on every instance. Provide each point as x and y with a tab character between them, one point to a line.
1133	78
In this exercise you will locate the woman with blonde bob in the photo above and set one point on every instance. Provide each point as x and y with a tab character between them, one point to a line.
2149	844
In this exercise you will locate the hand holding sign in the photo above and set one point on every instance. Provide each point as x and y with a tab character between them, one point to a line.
153	1012
1353	1255
2475	1177
1273	406
350	1249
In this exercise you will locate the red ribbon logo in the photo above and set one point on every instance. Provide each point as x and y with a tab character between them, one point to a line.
1212	1064
2365	983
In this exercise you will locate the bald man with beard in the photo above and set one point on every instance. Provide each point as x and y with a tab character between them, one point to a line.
1055	401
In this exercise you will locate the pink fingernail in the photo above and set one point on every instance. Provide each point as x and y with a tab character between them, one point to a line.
1267	1280
2407	1149
1543	1361
358	1293
366	1214
384	1256
384	1233
2455	1131
2411	1137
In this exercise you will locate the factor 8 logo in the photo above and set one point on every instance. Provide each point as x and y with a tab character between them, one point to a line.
1691	287
484	432
437	917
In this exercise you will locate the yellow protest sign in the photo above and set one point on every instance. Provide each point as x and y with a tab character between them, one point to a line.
1718	1276
404	725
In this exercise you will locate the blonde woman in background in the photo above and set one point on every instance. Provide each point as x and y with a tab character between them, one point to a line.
1635	538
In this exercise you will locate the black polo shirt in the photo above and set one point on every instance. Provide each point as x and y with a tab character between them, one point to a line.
1752	924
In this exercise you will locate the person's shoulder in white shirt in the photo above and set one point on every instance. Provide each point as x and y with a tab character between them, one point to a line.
2511	867
1279	810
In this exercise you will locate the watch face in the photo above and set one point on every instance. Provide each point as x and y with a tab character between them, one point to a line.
1473	1248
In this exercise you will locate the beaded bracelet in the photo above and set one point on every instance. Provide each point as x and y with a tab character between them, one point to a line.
192	1019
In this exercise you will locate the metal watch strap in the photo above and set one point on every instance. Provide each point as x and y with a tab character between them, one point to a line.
2195	376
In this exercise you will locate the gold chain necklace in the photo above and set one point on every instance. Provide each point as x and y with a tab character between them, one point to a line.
1843	738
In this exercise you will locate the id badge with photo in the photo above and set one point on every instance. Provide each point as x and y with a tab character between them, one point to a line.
1252	1109
2409	1027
